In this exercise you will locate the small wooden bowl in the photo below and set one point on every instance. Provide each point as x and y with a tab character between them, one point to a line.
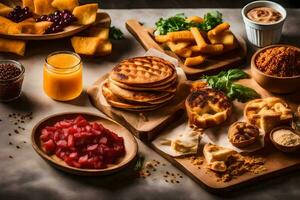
281	147
130	143
274	84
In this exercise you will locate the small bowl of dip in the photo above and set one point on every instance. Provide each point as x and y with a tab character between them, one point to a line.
263	21
285	139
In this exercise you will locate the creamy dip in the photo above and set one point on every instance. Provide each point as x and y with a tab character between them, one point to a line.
264	15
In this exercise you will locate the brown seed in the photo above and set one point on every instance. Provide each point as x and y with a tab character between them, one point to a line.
9	134
10	143
10	157
180	176
22	121
16	131
167	172
16	123
177	181
24	142
18	147
167	181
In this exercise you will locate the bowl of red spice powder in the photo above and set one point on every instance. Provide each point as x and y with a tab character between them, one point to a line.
276	68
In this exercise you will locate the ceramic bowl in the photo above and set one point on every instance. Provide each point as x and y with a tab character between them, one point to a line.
262	34
274	84
281	147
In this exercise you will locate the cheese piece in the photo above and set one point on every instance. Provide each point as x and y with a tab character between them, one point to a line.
8	27
216	156
104	48
43	7
102	33
86	14
29	4
12	46
4	10
34	27
65	4
186	143
85	45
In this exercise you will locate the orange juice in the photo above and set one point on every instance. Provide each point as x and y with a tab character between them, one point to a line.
63	76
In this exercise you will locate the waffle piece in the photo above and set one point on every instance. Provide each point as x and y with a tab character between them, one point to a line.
207	107
268	113
169	87
137	96
119	103
242	134
143	71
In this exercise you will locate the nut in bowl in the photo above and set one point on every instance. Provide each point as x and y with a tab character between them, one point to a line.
263	21
276	68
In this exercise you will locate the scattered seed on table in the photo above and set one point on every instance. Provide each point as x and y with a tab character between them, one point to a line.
16	131
167	181
10	143
18	147
177	181
9	134
10	157
24	142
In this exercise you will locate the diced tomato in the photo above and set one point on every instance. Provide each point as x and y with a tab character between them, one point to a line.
82	144
70	140
49	146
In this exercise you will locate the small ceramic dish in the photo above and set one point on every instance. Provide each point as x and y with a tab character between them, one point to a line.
274	84
263	34
130	143
281	147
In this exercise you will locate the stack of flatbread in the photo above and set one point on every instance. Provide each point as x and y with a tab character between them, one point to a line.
141	84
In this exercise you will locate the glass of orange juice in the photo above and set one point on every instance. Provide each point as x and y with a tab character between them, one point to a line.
63	75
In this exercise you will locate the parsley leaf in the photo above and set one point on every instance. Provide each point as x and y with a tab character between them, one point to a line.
224	82
179	23
115	33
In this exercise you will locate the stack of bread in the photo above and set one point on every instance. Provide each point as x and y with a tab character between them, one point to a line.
141	84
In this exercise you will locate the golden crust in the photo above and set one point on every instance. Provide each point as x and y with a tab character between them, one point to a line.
268	113
242	134
207	107
143	71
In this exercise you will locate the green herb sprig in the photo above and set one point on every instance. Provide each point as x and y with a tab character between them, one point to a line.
115	33
224	81
179	23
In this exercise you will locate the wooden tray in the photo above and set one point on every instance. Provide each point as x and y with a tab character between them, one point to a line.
276	161
212	65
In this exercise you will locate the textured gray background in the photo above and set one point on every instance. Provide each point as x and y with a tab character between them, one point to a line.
27	176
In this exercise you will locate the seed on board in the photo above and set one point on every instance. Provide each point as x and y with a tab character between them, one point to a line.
10	143
18	147
16	131
9	134
10	157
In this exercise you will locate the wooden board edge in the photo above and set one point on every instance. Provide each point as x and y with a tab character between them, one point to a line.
227	189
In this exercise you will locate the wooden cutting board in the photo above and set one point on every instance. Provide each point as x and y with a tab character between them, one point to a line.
276	161
228	60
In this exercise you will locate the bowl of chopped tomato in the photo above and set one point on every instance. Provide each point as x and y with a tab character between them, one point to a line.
84	143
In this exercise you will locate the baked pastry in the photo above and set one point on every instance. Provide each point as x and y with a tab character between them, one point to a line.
207	107
242	134
141	84
148	70
216	157
268	113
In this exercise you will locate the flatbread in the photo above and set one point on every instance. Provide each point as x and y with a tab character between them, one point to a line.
143	70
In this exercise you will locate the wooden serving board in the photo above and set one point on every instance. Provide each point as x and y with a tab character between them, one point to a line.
276	161
211	65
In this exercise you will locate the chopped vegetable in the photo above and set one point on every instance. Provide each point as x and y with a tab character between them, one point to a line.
211	20
115	33
224	81
179	22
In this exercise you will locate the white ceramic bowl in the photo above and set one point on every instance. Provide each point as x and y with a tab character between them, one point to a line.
262	34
